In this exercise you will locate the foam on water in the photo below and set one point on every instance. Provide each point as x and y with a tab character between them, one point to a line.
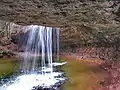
59	64
27	82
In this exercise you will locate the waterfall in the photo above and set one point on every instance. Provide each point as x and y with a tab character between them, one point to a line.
57	43
38	45
38	41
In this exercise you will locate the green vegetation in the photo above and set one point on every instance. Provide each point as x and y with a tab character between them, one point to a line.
2	53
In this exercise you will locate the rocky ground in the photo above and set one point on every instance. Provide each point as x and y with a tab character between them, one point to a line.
112	80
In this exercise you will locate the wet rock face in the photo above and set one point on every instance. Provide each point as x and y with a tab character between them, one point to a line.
60	13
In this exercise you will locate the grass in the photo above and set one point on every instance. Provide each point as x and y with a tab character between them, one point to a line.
81	76
7	66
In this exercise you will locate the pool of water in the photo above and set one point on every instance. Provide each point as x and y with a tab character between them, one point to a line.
80	76
8	67
38	80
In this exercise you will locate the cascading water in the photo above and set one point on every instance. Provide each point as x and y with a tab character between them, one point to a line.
38	45
57	44
38	42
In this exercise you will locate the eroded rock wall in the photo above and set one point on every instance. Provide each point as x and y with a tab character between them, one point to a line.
61	13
